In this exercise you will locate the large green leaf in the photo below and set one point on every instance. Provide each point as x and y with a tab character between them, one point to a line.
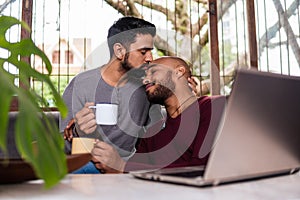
37	136
45	154
5	96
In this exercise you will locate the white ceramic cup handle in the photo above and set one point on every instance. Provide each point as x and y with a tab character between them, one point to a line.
92	106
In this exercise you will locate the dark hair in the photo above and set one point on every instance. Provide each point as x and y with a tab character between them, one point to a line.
125	30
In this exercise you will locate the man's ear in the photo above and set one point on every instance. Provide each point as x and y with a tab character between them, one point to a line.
180	71
119	50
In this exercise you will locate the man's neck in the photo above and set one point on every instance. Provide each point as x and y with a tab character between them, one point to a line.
112	73
176	104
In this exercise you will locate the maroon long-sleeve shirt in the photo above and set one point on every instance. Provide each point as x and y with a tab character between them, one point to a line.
184	141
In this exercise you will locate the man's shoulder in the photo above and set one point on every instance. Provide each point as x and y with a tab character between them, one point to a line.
85	79
206	98
214	100
88	74
215	104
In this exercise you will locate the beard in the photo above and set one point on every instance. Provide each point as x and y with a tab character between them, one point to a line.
125	65
162	91
132	71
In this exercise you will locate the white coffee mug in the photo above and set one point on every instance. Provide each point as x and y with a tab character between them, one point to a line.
106	113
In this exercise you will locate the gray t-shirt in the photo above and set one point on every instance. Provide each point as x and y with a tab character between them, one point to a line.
133	109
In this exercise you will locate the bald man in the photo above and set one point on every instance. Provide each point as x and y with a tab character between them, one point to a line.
176	142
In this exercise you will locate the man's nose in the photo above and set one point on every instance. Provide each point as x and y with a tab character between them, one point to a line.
146	81
149	57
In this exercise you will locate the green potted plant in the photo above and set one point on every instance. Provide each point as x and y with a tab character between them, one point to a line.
47	156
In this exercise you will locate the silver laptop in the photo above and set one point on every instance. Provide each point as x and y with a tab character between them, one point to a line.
258	136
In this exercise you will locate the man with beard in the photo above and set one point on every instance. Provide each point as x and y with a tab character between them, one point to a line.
188	123
130	41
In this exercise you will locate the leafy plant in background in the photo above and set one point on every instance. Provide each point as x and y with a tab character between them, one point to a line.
32	126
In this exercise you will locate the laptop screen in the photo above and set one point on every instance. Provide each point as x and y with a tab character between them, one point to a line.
260	132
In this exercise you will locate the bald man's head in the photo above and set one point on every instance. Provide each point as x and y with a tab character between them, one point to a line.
173	62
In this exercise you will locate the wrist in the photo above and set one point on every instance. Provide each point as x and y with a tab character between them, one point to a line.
122	166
